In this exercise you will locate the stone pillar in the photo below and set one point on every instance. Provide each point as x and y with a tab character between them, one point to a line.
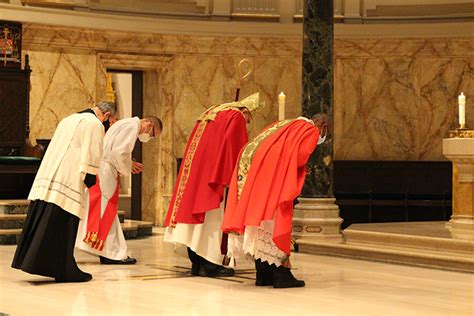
461	152
317	215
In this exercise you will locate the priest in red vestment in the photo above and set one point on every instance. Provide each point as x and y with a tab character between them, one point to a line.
197	205
268	177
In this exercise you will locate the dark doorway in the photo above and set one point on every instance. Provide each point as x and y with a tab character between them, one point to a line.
128	86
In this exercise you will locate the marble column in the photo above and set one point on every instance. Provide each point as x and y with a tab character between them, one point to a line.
460	150
317	216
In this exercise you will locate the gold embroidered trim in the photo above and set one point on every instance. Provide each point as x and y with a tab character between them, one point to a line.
249	152
186	170
252	103
211	113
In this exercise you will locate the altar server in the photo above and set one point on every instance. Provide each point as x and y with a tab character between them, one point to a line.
46	245
100	232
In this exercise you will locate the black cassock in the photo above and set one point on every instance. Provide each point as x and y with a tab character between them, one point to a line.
46	245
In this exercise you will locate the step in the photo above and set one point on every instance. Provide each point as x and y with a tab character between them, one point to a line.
121	216
14	206
132	229
12	221
9	236
144	228
424	258
432	236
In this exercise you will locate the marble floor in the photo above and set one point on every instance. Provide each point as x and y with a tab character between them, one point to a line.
160	284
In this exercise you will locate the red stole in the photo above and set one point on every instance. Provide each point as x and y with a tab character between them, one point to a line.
269	176
98	227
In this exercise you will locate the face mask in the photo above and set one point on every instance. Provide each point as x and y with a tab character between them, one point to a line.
321	139
106	125
144	137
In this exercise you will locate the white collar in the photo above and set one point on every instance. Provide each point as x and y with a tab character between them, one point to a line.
306	119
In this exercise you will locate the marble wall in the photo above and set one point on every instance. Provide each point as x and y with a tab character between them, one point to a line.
394	99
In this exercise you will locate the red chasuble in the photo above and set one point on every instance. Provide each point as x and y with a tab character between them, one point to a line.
269	176
211	153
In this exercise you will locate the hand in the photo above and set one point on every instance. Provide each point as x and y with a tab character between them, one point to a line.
89	180
136	167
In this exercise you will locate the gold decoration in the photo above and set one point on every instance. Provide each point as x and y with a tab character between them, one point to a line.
109	90
249	151
252	103
461	133
242	77
185	171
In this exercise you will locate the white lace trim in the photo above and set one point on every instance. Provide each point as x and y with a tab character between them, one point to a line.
257	243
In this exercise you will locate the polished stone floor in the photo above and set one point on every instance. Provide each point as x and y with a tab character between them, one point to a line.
160	284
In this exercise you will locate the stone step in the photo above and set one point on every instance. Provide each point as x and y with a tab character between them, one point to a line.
427	244
144	228
12	221
121	215
132	229
430	259
14	206
430	236
9	236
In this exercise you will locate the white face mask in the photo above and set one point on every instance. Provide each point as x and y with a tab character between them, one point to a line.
144	137
321	139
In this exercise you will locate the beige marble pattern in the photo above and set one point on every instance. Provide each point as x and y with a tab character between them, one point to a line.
398	108
92	40
394	98
61	84
160	284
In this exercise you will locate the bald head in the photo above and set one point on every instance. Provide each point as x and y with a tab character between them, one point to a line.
323	123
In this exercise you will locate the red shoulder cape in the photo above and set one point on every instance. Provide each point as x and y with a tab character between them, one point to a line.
211	154
275	178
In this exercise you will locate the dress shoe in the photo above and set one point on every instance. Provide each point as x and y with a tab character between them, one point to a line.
78	277
212	270
264	273
128	260
283	278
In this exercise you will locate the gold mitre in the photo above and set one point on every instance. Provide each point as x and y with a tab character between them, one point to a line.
253	103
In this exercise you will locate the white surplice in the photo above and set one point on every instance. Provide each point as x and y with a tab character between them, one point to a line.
74	151
118	146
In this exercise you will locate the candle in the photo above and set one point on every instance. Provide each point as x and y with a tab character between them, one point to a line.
462	110
281	106
462	99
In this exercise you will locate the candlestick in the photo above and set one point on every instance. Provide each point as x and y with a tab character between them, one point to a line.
281	106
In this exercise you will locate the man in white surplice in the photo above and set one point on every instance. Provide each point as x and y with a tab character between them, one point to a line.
119	142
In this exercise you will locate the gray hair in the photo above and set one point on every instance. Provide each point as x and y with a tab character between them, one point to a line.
107	107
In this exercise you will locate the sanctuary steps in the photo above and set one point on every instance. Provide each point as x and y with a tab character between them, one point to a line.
426	244
13	216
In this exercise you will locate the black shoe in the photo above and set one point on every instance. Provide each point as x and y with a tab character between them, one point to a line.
283	278
264	273
195	261
212	270
128	260
80	277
